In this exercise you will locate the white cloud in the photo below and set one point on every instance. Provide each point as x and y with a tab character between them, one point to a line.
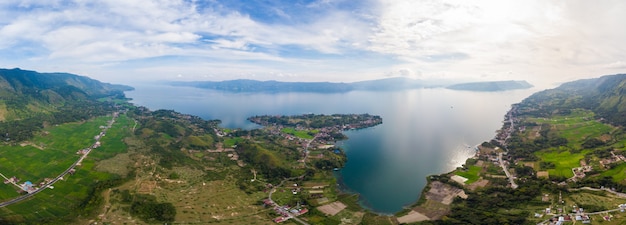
500	36
458	39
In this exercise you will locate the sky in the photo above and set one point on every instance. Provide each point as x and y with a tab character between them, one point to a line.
544	42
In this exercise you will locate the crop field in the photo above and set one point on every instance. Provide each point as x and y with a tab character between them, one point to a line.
55	151
298	133
618	173
563	160
596	199
577	126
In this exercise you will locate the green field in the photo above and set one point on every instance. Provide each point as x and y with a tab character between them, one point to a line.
472	174
60	144
577	126
563	160
618	173
298	133
230	142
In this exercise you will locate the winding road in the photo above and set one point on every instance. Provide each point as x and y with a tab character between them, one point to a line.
291	216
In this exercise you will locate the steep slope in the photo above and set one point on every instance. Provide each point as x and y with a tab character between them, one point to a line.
24	92
605	96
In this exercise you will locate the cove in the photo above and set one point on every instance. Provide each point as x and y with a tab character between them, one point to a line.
424	131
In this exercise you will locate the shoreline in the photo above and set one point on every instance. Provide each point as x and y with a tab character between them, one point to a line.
408	207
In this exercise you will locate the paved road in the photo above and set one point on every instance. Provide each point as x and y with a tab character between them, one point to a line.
45	186
506	171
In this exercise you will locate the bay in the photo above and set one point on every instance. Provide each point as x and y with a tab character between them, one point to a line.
424	131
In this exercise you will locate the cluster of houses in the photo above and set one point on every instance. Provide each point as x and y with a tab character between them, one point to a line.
24	187
613	159
285	211
579	172
13	180
578	214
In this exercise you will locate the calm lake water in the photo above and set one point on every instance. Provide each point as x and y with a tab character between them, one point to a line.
424	131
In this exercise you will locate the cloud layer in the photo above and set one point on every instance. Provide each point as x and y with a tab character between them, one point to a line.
336	40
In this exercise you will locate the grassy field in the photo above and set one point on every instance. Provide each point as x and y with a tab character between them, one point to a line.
230	142
472	174
577	126
618	173
298	133
59	145
563	160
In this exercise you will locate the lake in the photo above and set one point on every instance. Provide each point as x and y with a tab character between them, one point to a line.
424	131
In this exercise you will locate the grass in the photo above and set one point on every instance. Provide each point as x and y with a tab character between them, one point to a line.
604	202
472	174
60	145
230	142
618	173
577	126
564	161
298	133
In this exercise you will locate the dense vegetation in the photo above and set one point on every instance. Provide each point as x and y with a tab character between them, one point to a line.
555	130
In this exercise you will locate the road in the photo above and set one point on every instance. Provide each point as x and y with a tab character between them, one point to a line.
572	215
23	197
291	216
306	151
506	171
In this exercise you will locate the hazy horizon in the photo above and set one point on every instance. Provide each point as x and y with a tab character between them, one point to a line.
542	42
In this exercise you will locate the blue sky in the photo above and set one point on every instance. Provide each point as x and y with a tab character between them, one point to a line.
125	41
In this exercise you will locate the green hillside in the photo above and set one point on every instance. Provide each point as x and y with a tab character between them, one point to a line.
25	93
30	101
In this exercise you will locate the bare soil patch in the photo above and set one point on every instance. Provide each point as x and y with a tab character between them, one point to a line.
332	208
478	184
147	187
443	193
413	217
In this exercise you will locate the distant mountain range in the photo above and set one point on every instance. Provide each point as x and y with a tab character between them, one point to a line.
492	85
24	92
398	83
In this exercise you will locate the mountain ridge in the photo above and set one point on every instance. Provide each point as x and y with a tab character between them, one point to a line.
395	83
25	92
491	85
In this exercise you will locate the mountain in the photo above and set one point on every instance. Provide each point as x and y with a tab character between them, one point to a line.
605	96
322	87
267	86
491	86
24	92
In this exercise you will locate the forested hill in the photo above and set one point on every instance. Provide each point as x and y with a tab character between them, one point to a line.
605	96
29	100
24	93
24	81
